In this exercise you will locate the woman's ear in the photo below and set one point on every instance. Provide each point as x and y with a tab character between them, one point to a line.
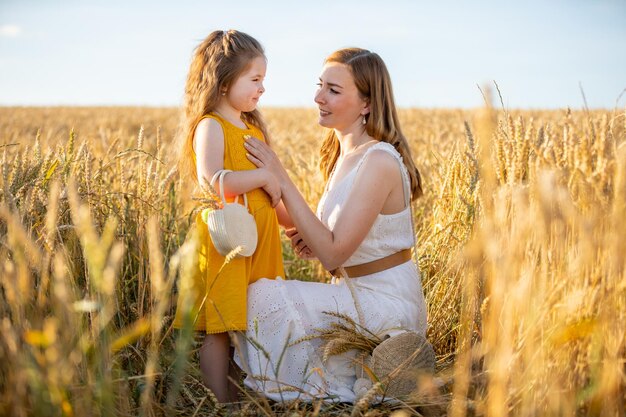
365	110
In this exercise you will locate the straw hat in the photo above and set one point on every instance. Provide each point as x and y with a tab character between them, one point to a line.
405	356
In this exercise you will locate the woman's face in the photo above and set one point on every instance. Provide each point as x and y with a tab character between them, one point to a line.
340	104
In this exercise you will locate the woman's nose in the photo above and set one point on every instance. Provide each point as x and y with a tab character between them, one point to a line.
319	97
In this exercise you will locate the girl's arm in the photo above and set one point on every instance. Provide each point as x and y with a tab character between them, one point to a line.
208	143
284	219
373	184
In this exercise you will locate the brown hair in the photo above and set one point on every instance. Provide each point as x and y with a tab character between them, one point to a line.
217	63
374	84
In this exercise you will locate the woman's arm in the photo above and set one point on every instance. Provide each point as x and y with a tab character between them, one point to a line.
208	143
373	184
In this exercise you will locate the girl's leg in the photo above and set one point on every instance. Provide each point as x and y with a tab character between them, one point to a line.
234	374
214	364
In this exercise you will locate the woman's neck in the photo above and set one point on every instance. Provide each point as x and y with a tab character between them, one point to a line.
351	140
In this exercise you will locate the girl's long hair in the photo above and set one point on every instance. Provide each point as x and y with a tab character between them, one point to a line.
374	84
216	64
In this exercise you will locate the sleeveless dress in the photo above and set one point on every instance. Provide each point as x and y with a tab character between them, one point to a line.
283	312
220	300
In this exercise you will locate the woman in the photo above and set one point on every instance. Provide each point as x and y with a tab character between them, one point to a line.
362	232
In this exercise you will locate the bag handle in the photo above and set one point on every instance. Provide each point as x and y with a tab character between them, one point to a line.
221	174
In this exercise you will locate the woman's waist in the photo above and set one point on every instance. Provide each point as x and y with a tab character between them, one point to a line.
373	251
398	280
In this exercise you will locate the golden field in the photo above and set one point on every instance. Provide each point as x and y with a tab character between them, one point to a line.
522	248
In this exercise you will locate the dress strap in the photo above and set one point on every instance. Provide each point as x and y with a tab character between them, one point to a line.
390	149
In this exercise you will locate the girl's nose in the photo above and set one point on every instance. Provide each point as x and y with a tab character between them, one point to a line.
262	89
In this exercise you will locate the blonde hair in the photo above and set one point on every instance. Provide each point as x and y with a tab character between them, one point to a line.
374	84
216	64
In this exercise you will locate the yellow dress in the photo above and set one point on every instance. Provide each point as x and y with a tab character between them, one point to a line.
221	300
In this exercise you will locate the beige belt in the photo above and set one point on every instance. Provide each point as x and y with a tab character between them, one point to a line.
378	265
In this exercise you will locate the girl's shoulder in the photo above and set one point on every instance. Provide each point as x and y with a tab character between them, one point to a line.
207	129
230	129
213	125
209	119
210	123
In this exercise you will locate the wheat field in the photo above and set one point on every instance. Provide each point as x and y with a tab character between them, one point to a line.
522	249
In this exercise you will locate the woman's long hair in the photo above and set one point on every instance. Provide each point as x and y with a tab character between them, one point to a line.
374	85
216	64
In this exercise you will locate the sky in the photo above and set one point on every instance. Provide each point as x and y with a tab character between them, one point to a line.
137	52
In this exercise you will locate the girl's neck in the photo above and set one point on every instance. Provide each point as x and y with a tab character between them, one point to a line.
229	113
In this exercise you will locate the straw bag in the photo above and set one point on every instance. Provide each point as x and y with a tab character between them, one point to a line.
231	226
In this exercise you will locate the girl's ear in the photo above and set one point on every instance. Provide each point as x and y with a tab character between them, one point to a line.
224	90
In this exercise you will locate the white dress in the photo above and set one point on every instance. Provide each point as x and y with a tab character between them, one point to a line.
283	311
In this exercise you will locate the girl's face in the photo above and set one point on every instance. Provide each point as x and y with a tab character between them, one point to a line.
340	104
243	95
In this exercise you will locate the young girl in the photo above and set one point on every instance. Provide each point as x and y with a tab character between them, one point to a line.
223	88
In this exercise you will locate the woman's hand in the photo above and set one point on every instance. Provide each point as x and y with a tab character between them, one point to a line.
261	155
299	247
